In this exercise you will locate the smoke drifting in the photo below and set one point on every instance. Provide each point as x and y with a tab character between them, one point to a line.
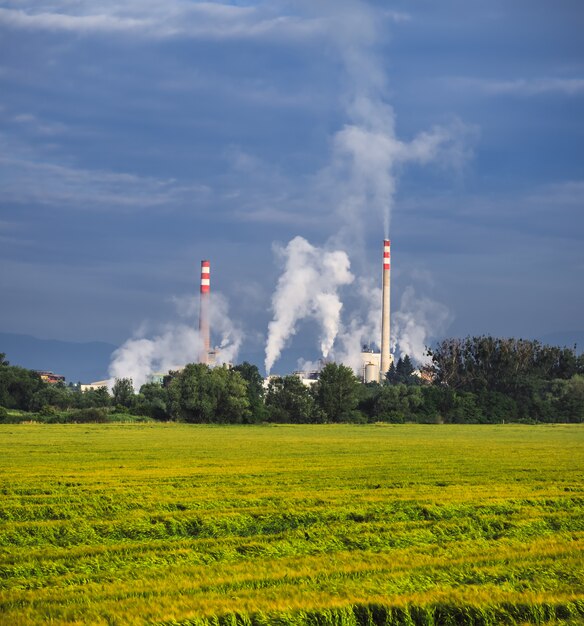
308	288
361	179
139	357
365	324
418	320
366	153
175	344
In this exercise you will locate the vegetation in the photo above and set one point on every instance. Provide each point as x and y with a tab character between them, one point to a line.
472	380
178	524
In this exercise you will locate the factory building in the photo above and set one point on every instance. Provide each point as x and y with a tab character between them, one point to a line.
370	365
94	386
50	377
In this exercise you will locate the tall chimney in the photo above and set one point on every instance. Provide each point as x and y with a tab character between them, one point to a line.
385	309
204	330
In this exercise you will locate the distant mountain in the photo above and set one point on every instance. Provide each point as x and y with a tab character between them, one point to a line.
83	362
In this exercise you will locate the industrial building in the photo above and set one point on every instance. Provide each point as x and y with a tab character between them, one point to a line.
50	377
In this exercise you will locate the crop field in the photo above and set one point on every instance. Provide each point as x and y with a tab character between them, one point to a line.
323	525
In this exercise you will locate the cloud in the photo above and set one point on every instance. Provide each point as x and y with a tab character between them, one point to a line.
521	86
200	20
62	22
28	176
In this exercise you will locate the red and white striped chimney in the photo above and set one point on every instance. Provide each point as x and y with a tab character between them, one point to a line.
385	309
204	328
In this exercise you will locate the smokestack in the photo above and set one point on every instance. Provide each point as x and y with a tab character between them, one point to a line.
204	330
385	309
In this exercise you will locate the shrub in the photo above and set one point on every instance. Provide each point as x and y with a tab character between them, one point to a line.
86	416
48	411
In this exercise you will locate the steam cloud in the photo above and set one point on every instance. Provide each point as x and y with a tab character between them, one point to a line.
176	344
418	320
308	288
361	178
366	153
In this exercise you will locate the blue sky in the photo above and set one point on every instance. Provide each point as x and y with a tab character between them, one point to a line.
138	137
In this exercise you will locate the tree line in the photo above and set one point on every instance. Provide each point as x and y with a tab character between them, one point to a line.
471	380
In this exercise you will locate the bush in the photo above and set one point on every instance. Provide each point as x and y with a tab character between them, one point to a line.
88	416
48	411
3	414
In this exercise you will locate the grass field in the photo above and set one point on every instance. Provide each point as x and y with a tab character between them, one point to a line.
344	525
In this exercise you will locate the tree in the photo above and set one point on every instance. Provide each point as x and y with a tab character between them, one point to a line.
52	395
123	392
402	373
336	392
99	398
152	401
569	404
200	394
391	376
3	361
397	403
18	387
288	400
255	390
514	367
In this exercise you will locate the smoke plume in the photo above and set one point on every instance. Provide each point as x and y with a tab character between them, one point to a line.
367	156
308	288
364	325
360	181
175	344
418	320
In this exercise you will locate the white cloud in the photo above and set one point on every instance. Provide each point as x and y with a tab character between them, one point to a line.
204	20
521	86
28	176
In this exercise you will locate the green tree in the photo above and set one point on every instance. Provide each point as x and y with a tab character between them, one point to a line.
391	376
288	400
93	398
123	392
200	394
397	403
153	401
569	401
402	372
336	392
18	387
52	395
3	361
255	390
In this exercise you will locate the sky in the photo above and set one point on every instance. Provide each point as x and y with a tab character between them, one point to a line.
282	140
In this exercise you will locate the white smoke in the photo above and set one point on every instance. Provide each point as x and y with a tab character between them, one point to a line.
360	181
174	345
305	366
308	288
418	320
140	357
367	156
365	323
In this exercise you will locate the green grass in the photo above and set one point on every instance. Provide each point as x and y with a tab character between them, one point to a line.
321	525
